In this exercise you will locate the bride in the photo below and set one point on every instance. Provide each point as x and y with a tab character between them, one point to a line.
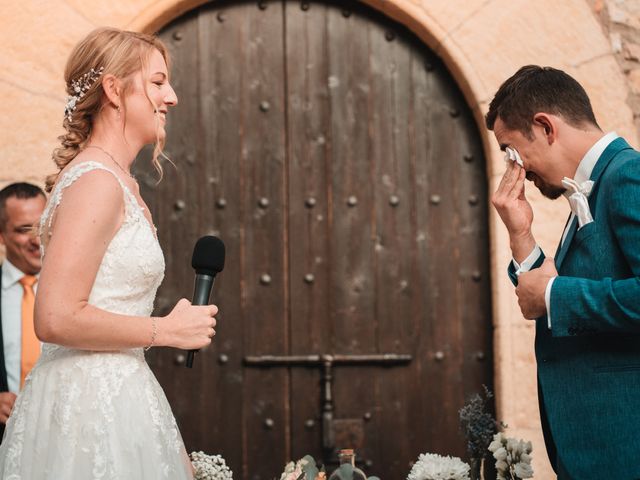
91	408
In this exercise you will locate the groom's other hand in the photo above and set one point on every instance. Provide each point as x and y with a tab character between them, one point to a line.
7	399
531	289
515	211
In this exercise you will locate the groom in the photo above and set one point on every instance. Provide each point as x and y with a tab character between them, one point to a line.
586	301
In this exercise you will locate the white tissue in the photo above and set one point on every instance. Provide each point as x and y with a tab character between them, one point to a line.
513	155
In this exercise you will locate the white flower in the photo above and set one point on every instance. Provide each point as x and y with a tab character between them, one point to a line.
292	471
210	467
513	457
288	469
498	441
435	467
500	454
495	445
523	470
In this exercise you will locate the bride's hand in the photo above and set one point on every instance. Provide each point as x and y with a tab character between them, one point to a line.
188	327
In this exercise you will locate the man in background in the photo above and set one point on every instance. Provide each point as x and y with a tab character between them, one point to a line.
21	205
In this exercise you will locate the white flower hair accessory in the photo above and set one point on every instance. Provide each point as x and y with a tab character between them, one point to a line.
80	86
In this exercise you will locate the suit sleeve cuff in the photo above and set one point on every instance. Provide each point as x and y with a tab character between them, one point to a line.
547	301
529	262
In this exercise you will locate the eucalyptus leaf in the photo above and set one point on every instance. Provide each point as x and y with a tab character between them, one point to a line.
311	469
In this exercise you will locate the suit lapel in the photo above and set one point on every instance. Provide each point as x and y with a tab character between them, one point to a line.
601	165
564	246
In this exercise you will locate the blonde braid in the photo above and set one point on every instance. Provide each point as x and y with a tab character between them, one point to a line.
78	132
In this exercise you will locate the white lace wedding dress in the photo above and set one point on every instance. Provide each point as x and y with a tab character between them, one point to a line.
99	415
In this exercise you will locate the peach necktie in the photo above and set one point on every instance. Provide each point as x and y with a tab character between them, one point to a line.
30	348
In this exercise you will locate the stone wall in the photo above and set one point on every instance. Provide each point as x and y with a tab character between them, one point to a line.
620	21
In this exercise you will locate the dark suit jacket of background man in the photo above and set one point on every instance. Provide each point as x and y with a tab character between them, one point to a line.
4	386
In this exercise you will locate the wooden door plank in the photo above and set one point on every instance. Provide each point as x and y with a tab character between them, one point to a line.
390	79
438	110
220	367
474	280
353	322
308	118
264	291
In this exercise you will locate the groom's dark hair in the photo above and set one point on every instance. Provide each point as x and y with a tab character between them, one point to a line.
534	89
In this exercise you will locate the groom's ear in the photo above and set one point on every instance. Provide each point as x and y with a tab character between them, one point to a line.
546	125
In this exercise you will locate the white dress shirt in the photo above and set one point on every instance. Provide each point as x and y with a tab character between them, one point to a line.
583	173
12	292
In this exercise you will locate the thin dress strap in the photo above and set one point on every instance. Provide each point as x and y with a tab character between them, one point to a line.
66	180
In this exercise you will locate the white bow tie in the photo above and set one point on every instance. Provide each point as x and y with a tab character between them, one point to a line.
578	194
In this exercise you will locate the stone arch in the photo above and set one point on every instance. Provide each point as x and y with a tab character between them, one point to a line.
482	43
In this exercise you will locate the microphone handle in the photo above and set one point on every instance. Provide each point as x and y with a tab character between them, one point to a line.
201	292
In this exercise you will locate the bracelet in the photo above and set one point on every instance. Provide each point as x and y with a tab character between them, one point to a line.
154	333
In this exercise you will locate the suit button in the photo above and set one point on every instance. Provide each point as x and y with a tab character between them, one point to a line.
571	330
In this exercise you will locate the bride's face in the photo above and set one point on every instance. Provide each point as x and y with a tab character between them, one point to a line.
149	101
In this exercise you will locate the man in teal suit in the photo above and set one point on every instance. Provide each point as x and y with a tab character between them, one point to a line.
586	302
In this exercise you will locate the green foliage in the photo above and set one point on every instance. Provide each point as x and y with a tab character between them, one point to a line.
478	426
311	469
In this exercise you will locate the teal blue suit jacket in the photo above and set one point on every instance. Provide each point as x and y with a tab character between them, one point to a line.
589	362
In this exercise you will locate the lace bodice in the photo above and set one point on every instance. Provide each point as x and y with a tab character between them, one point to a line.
133	265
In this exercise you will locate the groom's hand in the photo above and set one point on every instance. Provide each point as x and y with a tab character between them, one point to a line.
515	211
531	289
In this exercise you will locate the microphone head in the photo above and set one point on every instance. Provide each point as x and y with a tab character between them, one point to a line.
208	255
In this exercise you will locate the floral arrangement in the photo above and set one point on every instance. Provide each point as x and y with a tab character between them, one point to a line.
303	469
513	457
482	431
480	428
435	467
210	467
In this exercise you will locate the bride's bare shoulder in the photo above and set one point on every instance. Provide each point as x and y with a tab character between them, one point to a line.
94	187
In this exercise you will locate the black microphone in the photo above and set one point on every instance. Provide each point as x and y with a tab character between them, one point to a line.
208	261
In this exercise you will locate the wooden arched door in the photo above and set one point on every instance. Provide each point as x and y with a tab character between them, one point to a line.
335	156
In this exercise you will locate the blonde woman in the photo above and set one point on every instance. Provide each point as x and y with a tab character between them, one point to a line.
91	408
